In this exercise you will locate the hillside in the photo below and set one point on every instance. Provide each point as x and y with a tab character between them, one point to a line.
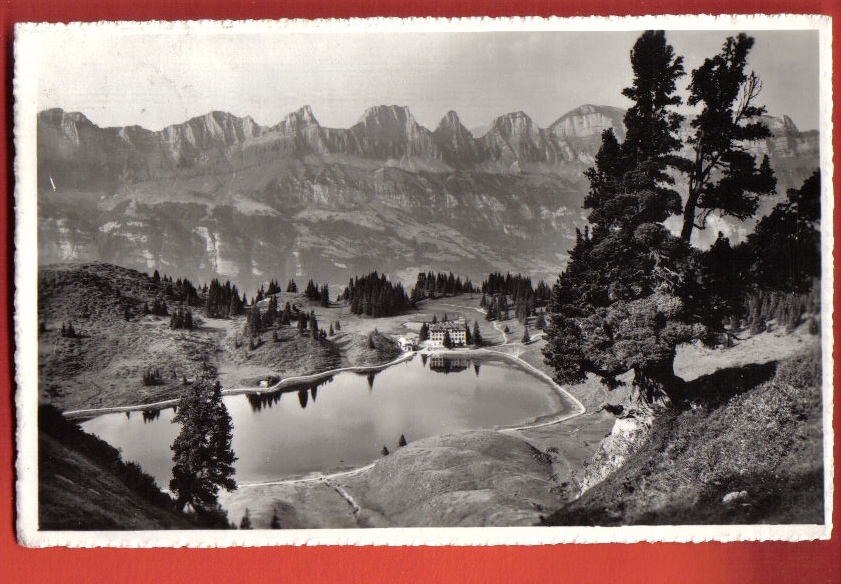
219	195
749	450
83	484
115	343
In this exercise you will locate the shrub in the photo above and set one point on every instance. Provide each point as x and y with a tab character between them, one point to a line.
152	376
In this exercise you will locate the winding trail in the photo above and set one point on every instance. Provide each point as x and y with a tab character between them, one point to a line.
504	334
344	495
317	477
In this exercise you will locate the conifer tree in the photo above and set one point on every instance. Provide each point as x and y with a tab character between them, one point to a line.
423	334
275	523
640	162
723	175
784	251
202	450
477	334
245	523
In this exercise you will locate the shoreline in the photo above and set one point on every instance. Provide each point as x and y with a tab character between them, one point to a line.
282	384
558	389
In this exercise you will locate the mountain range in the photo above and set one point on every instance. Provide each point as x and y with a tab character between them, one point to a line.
220	195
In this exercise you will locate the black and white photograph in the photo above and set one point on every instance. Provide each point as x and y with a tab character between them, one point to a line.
517	280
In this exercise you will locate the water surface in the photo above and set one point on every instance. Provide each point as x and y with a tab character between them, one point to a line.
345	420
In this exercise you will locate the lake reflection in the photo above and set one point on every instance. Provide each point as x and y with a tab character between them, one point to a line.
346	419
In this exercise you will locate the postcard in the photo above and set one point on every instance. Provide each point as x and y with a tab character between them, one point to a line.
424	281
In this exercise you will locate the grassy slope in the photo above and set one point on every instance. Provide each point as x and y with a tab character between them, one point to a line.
752	431
478	478
82	485
104	367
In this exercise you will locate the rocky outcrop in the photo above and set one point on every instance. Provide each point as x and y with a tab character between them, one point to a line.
626	437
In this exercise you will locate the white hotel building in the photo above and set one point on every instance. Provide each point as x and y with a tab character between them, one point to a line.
456	328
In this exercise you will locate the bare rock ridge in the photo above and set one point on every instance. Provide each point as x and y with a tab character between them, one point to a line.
383	132
222	196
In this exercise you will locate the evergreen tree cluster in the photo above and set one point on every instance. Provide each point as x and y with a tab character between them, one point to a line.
68	331
181	290
292	287
316	293
152	376
496	306
274	288
374	295
258	321
784	250
158	307
222	300
432	285
632	291
185	292
525	298
518	287
182	318
786	308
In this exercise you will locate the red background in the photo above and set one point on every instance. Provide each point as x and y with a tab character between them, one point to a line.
650	563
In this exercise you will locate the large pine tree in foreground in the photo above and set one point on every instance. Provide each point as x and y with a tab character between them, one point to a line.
202	451
632	291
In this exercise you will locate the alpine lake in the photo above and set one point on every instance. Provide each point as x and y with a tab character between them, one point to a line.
343	421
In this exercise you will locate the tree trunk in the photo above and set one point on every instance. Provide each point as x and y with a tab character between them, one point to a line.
689	216
656	386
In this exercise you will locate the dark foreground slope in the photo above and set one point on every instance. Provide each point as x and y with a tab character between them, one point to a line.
750	453
84	485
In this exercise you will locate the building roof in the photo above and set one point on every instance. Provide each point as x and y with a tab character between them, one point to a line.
450	325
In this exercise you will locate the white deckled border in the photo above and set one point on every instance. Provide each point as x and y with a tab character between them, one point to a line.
26	280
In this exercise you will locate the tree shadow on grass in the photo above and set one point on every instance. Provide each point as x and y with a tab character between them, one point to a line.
717	388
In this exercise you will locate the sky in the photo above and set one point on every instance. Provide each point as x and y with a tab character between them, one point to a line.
120	76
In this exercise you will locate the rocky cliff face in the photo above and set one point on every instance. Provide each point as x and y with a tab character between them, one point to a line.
458	147
220	195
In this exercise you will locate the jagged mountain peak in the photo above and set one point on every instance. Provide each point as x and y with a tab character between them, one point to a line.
57	117
518	116
213	128
780	125
299	119
451	124
450	120
514	124
589	120
387	115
